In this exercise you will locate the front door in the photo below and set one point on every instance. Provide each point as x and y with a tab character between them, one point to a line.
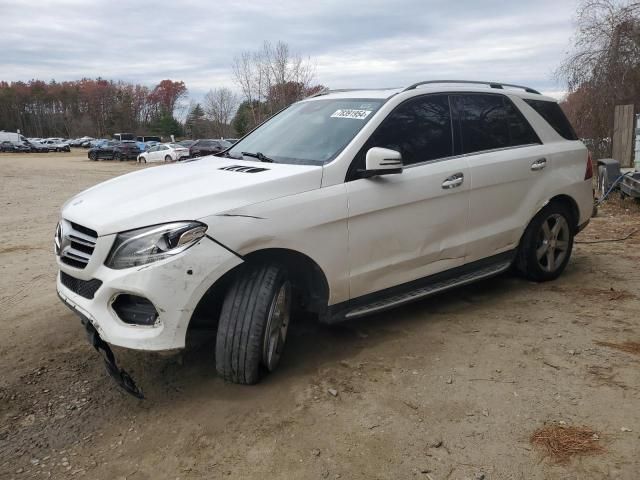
406	226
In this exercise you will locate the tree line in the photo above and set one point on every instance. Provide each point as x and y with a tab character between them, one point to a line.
603	70
94	107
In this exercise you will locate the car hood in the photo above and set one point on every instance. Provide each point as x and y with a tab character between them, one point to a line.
185	191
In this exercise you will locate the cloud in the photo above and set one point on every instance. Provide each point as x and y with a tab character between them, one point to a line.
353	43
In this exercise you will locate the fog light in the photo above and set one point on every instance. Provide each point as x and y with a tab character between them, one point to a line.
134	310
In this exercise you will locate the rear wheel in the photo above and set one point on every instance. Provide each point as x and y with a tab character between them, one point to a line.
93	156
167	158
547	243
253	325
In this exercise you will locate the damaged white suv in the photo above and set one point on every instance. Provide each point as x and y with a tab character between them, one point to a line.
344	204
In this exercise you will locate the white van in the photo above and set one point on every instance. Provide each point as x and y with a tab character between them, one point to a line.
11	137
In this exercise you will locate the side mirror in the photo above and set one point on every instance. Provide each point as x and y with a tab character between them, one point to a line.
381	161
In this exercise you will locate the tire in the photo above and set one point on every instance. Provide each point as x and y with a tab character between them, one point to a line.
93	156
547	243
168	159
259	301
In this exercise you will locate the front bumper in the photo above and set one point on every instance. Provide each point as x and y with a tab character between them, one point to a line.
174	286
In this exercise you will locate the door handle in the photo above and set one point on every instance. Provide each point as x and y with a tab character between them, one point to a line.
539	164
453	181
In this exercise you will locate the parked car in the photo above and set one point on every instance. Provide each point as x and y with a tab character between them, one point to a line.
126	150
345	204
231	140
39	147
168	152
187	143
22	147
55	145
114	150
79	141
207	147
7	146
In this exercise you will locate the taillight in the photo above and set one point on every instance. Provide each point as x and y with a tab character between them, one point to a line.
589	173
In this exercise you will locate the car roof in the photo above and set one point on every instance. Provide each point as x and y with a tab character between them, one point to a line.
446	86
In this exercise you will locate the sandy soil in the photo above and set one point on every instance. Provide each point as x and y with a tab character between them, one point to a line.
447	388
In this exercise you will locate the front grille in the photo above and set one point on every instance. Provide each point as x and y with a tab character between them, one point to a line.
75	244
84	288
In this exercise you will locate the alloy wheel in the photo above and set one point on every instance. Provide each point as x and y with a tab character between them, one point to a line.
277	327
553	242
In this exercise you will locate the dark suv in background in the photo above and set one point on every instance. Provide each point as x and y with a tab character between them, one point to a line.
208	147
114	150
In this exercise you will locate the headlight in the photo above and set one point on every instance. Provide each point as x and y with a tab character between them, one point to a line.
150	244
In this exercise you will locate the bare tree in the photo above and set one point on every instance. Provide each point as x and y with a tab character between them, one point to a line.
272	78
604	68
220	105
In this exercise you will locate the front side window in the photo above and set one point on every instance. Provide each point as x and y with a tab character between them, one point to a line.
420	129
309	133
490	122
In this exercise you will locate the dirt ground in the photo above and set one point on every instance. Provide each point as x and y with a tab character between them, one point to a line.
447	388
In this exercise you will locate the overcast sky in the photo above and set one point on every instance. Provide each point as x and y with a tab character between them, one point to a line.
366	43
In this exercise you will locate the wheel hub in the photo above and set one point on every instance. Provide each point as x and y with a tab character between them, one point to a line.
553	243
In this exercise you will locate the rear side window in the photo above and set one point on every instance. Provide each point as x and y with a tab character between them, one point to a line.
489	122
554	116
420	129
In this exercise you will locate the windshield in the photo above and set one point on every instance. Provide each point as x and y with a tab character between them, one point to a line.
309	133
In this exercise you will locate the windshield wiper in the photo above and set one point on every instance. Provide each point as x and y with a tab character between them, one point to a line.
260	156
226	154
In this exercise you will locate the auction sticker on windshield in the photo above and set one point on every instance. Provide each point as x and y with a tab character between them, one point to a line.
349	113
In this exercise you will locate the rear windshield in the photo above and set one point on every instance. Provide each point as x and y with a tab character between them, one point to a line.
554	116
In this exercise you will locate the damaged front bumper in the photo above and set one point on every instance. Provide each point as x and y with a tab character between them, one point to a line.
172	289
119	375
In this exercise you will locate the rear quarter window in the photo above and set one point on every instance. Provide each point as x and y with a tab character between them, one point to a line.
554	116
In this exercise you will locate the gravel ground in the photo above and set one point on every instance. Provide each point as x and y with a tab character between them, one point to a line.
447	388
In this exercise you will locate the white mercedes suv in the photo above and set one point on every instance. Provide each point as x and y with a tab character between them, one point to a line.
344	204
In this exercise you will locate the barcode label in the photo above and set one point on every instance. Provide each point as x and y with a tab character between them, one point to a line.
348	113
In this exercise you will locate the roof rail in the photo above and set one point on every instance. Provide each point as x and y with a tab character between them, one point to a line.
327	91
491	84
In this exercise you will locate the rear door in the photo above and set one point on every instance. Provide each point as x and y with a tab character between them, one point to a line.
154	153
406	226
507	166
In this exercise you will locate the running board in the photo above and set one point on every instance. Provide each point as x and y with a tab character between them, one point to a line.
431	289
